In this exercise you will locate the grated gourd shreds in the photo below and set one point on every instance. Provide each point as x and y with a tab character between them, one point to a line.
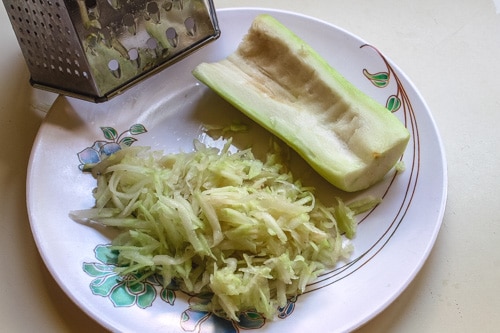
217	222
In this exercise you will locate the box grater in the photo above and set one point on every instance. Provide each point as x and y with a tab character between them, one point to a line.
94	49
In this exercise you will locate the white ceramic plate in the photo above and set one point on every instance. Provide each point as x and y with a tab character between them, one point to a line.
392	243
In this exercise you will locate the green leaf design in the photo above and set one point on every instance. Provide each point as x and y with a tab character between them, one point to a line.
104	254
137	129
393	103
121	296
380	79
136	287
251	320
168	295
97	269
146	299
109	133
127	141
105	285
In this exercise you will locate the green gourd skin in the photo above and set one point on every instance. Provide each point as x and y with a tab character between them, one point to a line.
280	82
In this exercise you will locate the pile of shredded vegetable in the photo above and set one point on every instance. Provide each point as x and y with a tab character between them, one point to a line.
218	222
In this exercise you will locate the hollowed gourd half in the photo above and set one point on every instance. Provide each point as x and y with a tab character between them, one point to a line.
280	82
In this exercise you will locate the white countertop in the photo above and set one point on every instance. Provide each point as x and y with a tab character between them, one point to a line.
449	49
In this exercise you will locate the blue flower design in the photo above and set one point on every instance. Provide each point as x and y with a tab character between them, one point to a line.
92	155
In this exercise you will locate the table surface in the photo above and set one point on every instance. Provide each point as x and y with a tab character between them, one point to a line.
449	49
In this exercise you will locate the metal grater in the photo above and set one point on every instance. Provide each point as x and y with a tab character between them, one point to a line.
94	49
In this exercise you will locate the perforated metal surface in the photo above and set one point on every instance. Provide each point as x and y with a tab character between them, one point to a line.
94	49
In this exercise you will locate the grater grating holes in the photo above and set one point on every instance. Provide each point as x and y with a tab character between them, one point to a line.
95	48
35	24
